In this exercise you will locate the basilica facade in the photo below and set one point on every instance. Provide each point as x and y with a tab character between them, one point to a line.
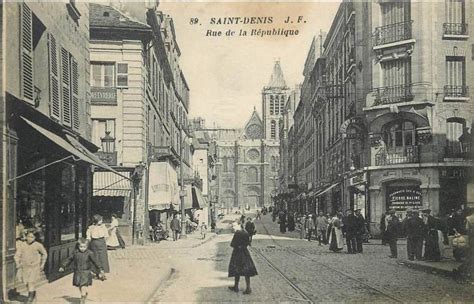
248	158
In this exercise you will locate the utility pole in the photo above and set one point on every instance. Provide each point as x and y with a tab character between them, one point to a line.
182	193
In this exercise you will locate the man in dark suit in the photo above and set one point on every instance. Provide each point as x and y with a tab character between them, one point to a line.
414	228
361	230
350	230
392	227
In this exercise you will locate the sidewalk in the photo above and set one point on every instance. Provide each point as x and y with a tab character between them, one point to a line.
136	272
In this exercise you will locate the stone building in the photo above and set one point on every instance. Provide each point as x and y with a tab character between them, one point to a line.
140	101
420	112
248	158
46	123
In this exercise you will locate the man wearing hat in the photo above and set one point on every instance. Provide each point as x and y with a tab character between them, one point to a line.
414	228
361	229
349	229
391	231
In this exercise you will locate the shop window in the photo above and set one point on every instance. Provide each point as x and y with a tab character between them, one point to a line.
400	134
102	74
67	206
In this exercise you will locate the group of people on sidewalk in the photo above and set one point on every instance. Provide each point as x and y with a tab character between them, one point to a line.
89	256
431	232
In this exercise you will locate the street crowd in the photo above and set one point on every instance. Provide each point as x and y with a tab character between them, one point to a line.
426	234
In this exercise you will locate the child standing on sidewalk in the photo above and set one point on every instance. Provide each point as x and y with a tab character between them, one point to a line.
30	259
82	260
203	230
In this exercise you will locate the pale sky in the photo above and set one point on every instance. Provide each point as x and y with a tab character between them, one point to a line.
226	74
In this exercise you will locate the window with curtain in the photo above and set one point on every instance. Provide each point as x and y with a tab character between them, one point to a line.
455	11
395	12
396	72
99	129
454	130
455	71
400	134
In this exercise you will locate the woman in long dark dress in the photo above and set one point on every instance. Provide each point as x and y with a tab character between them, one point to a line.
291	221
97	234
241	263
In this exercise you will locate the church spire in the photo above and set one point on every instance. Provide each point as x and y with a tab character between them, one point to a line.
277	80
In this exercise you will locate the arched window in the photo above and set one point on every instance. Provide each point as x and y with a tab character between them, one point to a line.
400	134
252	175
282	105
273	129
454	130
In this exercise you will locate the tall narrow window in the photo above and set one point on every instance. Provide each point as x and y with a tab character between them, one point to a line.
54	92
65	87
455	77
122	75
455	18
26	49
272	105
273	129
395	12
75	94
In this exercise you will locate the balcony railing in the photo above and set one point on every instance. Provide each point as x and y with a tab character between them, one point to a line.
462	150
393	33
456	91
393	94
460	29
408	155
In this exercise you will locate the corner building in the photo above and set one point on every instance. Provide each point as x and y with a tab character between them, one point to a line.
419	112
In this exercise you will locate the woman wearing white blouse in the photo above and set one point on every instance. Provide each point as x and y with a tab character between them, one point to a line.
97	234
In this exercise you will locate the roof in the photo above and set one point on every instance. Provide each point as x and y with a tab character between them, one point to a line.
104	16
277	79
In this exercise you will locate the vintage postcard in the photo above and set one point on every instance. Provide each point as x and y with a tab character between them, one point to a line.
237	151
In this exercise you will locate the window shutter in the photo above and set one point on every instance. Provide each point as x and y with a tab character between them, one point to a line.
65	87
122	75
54	95
26	60
75	94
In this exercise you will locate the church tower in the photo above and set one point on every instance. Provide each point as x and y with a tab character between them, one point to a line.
274	97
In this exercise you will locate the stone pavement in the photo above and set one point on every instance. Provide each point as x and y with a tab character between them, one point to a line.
136	272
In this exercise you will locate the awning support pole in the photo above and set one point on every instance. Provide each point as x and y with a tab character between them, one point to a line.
42	167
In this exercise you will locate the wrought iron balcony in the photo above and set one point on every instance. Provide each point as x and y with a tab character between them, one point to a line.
462	150
408	155
392	33
456	91
393	94
459	29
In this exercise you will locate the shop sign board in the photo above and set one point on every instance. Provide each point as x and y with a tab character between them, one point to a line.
402	198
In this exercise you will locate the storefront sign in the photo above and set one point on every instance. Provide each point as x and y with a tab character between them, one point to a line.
104	95
355	125
358	179
404	197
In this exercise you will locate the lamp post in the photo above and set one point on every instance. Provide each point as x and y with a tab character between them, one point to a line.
182	192
108	143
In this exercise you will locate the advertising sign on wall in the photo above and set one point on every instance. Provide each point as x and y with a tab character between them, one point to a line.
402	198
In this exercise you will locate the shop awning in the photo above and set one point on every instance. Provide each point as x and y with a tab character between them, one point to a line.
111	184
73	147
199	201
327	189
163	187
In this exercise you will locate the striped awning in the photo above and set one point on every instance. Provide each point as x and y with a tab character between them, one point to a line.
111	184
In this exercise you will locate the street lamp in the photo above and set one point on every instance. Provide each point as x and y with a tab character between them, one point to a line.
182	192
108	143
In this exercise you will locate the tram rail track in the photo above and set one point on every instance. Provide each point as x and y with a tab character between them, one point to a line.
304	294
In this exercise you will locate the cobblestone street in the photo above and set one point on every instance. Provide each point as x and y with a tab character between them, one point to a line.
290	270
